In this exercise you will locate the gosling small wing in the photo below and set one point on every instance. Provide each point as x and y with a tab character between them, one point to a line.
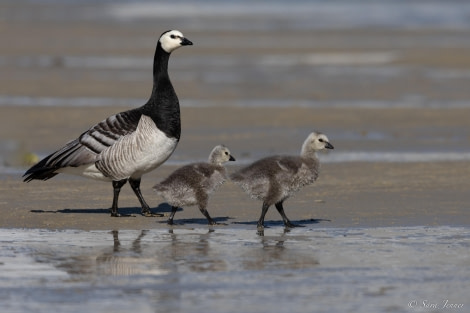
269	168
297	173
256	178
185	177
212	176
289	165
184	185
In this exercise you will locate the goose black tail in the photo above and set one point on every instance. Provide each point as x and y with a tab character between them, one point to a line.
40	171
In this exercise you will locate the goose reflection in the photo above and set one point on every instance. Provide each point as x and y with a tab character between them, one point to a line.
125	261
118	260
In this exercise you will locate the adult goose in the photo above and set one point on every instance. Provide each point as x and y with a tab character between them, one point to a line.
192	183
129	144
274	179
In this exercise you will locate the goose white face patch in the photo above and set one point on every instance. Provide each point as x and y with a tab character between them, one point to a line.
171	40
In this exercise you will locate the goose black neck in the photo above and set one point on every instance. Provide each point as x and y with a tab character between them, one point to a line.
163	105
160	62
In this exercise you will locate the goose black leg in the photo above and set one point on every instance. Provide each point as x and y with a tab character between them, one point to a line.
287	223
264	210
135	185
172	215
117	184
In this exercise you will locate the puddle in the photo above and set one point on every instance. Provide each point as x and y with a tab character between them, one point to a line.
233	269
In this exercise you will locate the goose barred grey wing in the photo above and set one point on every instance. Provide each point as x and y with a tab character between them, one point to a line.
108	131
85	149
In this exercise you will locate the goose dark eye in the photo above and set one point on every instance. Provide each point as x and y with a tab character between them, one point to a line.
321	140
226	153
172	36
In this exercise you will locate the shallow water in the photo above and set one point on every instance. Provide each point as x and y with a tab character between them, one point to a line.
397	269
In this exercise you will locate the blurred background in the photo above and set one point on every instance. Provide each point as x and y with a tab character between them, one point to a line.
66	65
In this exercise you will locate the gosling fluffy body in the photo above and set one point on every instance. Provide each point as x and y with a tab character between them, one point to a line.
276	178
192	183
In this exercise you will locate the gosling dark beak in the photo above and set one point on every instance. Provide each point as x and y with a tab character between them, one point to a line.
231	158
329	146
186	42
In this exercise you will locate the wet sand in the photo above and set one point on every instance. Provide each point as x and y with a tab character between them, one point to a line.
391	269
382	194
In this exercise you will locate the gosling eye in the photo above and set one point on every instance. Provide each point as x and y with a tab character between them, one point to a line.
321	140
172	36
226	153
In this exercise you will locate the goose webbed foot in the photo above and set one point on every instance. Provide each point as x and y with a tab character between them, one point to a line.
148	213
116	214
135	185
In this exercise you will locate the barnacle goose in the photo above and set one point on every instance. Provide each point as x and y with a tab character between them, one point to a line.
129	144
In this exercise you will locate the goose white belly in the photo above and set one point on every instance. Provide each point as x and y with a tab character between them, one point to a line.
88	171
131	156
154	153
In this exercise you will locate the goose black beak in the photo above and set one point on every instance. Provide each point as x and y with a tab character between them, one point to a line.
231	158
329	146
186	42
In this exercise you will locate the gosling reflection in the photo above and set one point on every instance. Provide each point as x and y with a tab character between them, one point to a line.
275	253
193	253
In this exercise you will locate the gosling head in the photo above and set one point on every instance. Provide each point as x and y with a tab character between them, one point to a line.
316	141
220	154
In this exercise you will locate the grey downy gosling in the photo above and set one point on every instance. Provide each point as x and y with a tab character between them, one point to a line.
127	145
274	179
192	183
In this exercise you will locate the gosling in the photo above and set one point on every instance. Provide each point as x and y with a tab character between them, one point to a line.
192	183
274	179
